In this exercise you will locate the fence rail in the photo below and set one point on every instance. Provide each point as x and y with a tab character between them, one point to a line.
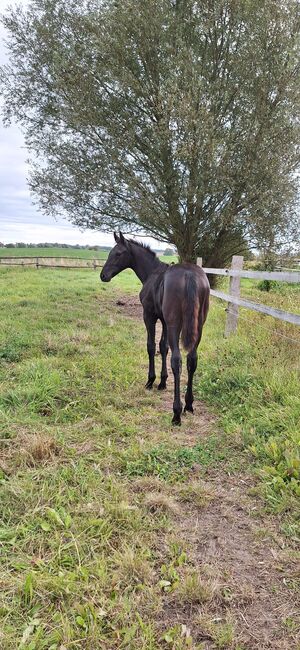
287	316
279	276
53	262
235	273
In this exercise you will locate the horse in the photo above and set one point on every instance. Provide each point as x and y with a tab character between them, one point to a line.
178	296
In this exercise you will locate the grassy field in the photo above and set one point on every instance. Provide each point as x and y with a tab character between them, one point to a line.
63	252
52	252
101	498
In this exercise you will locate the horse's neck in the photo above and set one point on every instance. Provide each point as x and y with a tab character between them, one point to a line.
144	264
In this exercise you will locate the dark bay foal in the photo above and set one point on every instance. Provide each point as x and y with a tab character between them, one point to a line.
178	296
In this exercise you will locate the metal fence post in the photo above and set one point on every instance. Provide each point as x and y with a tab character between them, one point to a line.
234	290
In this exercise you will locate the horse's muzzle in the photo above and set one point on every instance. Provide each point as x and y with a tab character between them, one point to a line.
104	277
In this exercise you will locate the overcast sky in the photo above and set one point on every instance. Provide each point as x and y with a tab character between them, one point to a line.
20	219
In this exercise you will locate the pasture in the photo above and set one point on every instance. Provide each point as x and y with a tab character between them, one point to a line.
64	252
117	530
52	252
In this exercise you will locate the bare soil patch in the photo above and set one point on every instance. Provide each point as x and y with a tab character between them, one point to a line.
239	549
130	306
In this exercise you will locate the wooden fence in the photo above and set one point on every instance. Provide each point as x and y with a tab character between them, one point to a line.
53	262
235	273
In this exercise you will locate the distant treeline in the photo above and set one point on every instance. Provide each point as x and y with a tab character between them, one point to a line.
55	245
168	251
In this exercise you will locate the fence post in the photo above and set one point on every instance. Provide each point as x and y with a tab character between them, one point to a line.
199	261
37	262
234	290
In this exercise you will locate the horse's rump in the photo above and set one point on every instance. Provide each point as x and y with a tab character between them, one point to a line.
185	301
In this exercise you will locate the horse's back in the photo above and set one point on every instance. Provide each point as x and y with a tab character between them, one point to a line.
176	276
176	280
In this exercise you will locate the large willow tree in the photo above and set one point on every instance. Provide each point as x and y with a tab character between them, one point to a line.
172	118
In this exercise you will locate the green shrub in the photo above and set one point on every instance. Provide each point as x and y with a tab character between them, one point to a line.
267	285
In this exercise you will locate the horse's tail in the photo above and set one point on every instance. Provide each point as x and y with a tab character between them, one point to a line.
190	312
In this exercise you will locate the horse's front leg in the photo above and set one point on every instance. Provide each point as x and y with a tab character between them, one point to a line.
150	323
163	348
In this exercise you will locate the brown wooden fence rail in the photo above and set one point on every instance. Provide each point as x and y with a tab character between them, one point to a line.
53	262
235	273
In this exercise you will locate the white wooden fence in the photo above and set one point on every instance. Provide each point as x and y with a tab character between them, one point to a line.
235	273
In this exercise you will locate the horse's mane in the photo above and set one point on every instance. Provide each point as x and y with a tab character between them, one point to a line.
142	245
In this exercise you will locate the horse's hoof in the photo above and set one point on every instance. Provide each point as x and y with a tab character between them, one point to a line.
162	386
176	422
149	385
188	409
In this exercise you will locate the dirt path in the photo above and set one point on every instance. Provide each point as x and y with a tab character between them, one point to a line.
246	564
239	549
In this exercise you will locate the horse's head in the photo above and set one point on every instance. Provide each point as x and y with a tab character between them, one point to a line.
119	258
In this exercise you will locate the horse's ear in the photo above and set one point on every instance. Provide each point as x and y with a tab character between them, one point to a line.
122	238
117	239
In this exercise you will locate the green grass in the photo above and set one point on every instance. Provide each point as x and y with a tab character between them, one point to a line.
87	561
253	379
52	252
65	252
174	464
79	566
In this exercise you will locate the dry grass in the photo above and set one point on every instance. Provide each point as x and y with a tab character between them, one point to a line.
37	448
195	492
160	502
145	484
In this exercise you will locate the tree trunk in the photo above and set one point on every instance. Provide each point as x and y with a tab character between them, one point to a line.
216	250
186	251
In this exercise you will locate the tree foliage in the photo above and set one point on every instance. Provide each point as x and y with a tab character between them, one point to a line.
172	117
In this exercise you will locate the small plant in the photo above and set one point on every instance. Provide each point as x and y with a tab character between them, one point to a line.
11	352
131	567
28	589
193	590
170	577
221	633
178	638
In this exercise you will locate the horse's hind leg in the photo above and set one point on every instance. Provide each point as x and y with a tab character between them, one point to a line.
191	361
163	348
173	337
150	325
